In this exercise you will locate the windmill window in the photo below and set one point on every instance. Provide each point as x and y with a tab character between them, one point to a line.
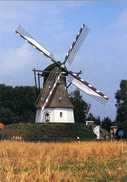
47	117
61	114
60	98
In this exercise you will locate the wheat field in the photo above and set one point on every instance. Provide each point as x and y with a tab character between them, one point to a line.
63	162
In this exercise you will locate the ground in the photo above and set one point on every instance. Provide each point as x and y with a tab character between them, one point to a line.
63	162
47	132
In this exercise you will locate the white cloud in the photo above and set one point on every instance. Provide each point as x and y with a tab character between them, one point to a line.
15	62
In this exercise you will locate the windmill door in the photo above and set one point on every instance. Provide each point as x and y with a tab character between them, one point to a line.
47	117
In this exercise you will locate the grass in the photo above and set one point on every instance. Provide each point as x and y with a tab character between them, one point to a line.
48	132
63	162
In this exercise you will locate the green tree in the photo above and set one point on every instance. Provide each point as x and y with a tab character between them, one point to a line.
121	102
17	104
90	117
81	108
106	123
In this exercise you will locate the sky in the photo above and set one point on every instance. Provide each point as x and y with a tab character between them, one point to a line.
102	56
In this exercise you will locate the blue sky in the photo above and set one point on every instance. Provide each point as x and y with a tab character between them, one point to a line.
102	57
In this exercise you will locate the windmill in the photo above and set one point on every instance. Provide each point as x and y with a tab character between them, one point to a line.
53	103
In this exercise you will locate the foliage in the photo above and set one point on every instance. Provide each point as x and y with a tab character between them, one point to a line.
47	132
106	123
90	117
17	104
121	102
81	108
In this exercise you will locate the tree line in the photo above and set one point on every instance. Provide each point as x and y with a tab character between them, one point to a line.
17	104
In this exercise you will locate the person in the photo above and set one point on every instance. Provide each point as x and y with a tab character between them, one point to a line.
96	131
120	133
113	132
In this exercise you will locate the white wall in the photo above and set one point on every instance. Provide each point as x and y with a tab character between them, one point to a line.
54	115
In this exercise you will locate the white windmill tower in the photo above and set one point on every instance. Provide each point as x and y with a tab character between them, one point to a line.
53	103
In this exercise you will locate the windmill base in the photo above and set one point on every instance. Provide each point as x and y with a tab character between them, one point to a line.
57	115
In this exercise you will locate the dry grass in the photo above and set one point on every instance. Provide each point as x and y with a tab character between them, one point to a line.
63	162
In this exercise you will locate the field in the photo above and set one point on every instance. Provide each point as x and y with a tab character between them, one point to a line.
63	162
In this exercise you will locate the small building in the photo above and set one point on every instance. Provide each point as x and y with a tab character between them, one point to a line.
2	125
89	123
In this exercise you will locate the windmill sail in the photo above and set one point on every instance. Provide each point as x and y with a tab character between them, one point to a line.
47	85
42	102
22	33
76	44
86	87
46	94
